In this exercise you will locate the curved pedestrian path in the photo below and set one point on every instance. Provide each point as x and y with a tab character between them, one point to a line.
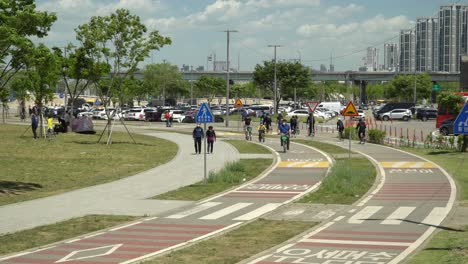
294	174
127	196
410	201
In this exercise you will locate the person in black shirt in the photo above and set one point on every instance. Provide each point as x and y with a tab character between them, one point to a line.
211	138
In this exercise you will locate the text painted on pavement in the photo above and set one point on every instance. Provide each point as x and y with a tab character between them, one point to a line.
309	256
283	187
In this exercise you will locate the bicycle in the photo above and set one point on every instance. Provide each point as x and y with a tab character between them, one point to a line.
284	142
261	135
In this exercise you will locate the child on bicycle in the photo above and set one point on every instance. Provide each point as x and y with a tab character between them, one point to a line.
261	132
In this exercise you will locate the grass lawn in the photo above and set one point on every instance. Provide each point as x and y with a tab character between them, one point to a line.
455	163
449	247
33	169
48	234
246	147
232	175
348	181
233	246
325	147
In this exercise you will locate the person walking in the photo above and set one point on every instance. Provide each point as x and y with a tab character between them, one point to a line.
34	124
361	128
167	116
197	137
211	138
311	124
340	128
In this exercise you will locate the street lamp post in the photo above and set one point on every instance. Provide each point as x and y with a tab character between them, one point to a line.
274	81
227	76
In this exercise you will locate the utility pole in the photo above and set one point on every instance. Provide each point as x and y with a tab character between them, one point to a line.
274	81
414	90
227	76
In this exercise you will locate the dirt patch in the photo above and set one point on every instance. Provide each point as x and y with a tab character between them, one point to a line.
16	188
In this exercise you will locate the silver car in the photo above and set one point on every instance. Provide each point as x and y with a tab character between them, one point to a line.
402	114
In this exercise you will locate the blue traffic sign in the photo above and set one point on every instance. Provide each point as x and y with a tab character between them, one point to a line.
204	114
460	126
97	102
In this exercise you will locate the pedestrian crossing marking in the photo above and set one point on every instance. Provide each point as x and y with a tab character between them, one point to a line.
408	165
398	215
223	212
304	164
364	214
194	210
258	212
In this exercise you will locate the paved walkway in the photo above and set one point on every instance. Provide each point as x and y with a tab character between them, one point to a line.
124	197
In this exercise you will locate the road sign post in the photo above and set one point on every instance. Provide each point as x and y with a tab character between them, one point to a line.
238	104
460	125
350	111
204	116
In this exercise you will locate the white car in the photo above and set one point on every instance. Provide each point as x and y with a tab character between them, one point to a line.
102	114
177	116
361	114
298	112
137	114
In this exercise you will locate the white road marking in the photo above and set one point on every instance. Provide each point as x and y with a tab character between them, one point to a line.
355	242
180	245
69	257
94	235
151	218
418	165
400	213
194	210
225	211
352	210
436	216
339	218
365	213
398	164
121	227
268	192
73	241
25	253
258	212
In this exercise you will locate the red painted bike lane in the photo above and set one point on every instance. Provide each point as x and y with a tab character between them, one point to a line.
290	179
410	202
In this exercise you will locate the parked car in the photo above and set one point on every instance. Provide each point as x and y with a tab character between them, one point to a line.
424	114
137	114
189	117
364	106
446	127
403	114
154	115
392	106
361	114
177	116
298	112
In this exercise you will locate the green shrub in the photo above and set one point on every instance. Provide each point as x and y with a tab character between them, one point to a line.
353	132
376	136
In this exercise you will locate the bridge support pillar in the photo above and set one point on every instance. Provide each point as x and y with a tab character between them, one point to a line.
362	91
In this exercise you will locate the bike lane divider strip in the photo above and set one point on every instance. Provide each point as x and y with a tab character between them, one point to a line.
156	235
411	200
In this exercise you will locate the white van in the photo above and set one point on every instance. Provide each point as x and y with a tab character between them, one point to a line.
333	106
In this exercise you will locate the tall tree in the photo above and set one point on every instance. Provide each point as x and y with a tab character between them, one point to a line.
290	76
163	79
209	87
78	71
19	21
121	41
42	71
404	85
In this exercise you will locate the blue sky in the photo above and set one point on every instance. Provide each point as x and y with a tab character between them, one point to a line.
309	30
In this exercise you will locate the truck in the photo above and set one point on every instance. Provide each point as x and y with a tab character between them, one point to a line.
333	106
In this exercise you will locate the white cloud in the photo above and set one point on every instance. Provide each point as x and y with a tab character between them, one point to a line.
282	3
343	11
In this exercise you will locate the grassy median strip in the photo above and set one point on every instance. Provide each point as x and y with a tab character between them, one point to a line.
348	181
49	234
445	247
247	147
238	244
38	168
325	147
230	176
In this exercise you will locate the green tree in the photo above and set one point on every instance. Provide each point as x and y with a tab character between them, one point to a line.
290	77
121	42
19	21
209	87
4	94
78	71
375	91
453	103
244	90
20	85
403	87
42	72
163	79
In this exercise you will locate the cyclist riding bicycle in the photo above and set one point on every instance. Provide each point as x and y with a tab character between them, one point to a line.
284	129
261	132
